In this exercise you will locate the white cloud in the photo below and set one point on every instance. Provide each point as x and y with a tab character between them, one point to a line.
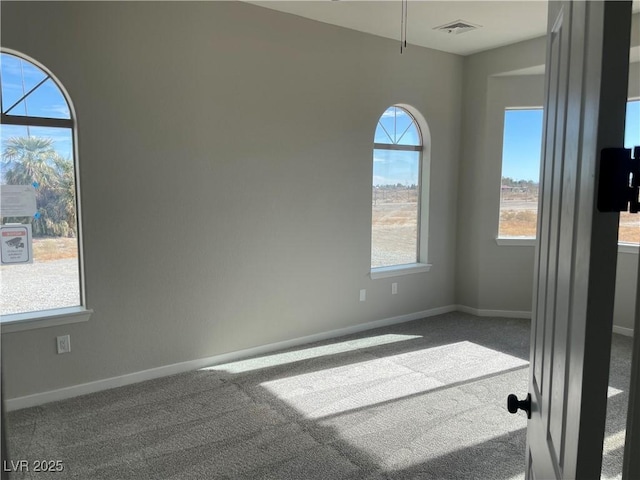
60	109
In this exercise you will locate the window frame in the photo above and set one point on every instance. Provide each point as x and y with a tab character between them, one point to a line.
623	246
14	322
517	241
420	265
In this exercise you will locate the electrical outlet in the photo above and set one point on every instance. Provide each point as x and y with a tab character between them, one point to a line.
394	288
64	343
363	295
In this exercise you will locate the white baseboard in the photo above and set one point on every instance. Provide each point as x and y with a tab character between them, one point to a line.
99	385
113	382
523	314
479	312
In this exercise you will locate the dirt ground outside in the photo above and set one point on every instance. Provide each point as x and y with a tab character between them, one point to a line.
394	235
519	217
395	223
51	281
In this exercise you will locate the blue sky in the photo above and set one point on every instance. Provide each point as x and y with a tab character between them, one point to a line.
632	125
396	126
391	167
20	77
522	140
521	144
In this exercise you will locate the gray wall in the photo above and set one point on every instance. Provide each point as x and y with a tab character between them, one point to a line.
492	276
225	155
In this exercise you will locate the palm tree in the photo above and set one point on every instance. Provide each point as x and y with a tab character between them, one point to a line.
65	187
26	160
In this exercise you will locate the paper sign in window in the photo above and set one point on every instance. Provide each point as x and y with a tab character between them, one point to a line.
17	201
16	244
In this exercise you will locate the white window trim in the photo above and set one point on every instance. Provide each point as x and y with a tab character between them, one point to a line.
399	270
423	200
625	247
513	241
17	322
516	242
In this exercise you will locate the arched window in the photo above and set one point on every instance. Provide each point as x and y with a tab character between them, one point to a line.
38	171
397	184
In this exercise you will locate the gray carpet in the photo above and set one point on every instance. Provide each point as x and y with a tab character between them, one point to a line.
425	399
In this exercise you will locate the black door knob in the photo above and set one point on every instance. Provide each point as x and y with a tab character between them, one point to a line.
513	404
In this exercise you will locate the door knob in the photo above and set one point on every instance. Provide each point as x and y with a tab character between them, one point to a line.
513	404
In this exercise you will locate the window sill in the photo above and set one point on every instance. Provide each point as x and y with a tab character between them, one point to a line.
623	247
628	247
516	242
399	270
18	322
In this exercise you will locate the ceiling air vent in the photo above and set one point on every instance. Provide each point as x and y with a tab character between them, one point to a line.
457	27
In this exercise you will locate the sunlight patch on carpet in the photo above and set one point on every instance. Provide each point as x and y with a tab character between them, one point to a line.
614	442
407	409
274	360
363	384
612	391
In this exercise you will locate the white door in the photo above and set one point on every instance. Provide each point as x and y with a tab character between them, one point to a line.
586	90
